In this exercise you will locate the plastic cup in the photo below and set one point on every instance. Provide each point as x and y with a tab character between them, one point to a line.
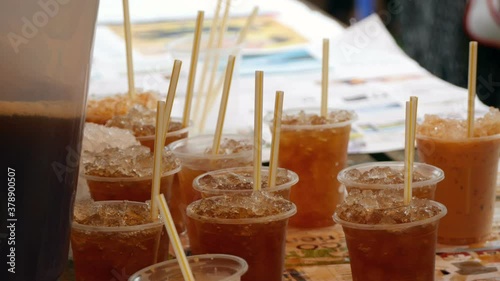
216	267
195	161
170	137
259	241
103	253
316	153
468	191
421	189
128	188
181	49
243	178
381	252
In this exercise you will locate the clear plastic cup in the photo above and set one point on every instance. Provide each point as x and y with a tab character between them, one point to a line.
424	189
192	152
381	252
469	189
181	49
260	241
128	188
316	153
242	182
214	267
104	252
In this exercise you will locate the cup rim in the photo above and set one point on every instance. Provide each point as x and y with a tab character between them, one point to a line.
196	155
133	179
128	228
294	178
436	176
393	227
129	179
243	265
278	217
169	134
268	118
473	139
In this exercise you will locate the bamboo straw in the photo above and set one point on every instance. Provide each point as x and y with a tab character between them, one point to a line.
215	65
275	143
128	49
155	188
410	125
170	97
257	129
192	69
207	59
223	104
174	238
324	77
211	96
472	87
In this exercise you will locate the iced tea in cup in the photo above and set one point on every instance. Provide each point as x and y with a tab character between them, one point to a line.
252	227
377	176
214	267
113	238
471	167
316	149
240	180
195	154
142	122
101	110
127	174
387	240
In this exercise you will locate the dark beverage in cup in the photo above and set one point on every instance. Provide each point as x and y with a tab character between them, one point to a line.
388	240
252	227
45	51
113	238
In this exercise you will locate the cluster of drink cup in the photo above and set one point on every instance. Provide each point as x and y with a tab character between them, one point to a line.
228	241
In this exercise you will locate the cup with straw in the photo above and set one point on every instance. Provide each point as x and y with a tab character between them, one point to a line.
313	144
390	223
252	226
180	269
467	150
204	153
276	181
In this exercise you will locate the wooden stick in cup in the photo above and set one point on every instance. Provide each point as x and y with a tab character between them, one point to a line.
171	96
223	104
207	59
192	69
174	238
128	49
275	143
472	87
324	77
257	129
212	95
215	64
159	144
410	126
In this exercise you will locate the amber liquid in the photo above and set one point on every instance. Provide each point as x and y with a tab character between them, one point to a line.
381	255
151	142
261	245
101	256
468	189
317	156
